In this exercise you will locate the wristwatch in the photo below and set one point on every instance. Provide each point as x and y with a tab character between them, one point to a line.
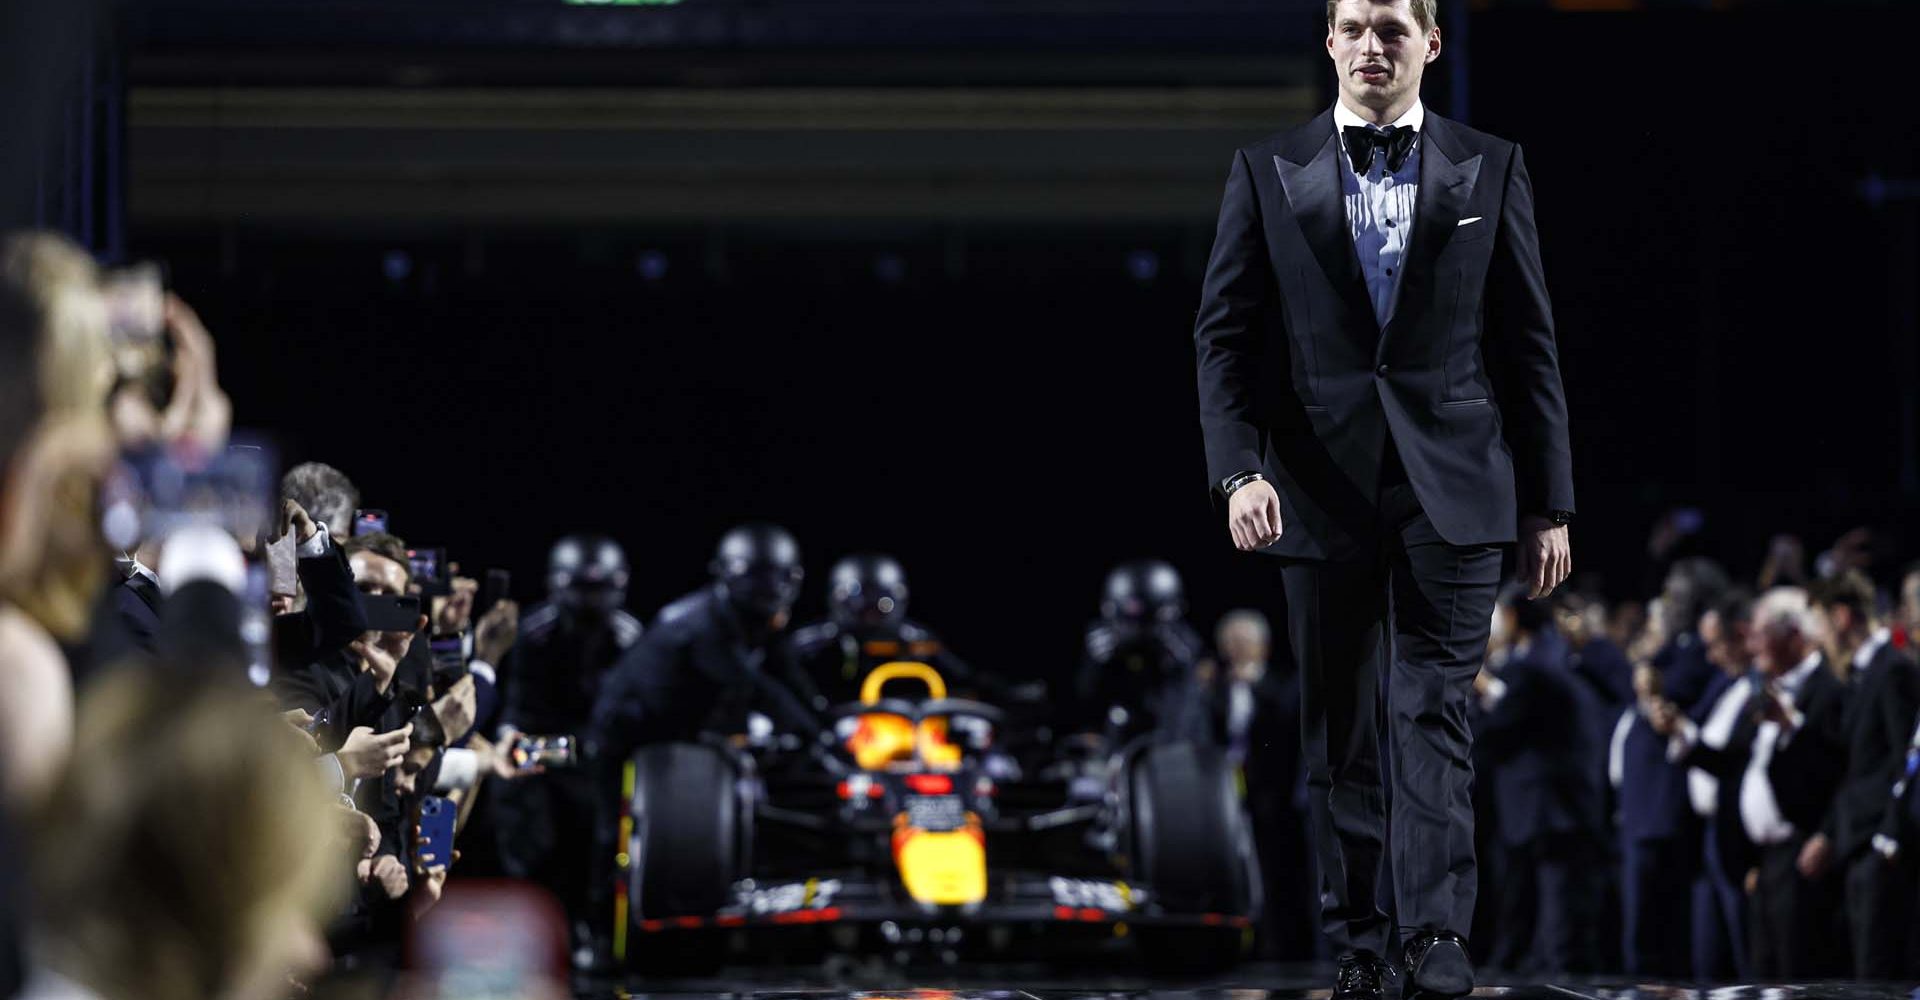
1560	517
1237	480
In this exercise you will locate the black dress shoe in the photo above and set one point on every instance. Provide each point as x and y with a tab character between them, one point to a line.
1437	966
1359	977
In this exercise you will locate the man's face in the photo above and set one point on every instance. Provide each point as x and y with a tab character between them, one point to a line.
1726	643
376	574
1379	51
406	774
1241	643
1776	647
1910	600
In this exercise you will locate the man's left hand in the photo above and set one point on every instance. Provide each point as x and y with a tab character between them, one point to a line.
1815	855
1546	556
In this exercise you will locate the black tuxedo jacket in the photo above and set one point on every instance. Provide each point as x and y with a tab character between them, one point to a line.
1300	381
1877	726
1806	771
1729	765
1539	738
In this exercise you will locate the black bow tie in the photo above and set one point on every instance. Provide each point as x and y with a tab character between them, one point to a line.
1362	141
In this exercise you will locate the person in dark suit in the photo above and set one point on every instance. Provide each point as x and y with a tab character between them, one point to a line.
1659	836
1786	783
1878	722
1535	722
1713	745
554	673
1256	716
1381	404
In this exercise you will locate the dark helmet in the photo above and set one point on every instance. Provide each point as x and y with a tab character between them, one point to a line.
868	590
588	573
758	565
1143	590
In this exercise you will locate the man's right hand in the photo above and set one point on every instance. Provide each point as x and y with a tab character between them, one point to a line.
1253	516
456	708
367	754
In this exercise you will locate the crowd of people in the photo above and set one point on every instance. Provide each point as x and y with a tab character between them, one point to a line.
213	788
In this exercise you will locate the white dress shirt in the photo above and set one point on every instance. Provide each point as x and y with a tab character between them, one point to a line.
1703	789
1759	809
1380	208
1863	657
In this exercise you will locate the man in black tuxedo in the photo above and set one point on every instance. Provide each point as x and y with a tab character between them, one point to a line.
1381	402
1879	716
1784	760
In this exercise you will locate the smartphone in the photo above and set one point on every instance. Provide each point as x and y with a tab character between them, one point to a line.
152	492
498	587
391	613
427	568
433	848
137	330
283	566
530	752
449	661
368	521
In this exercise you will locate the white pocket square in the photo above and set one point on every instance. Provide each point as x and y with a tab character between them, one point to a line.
1468	222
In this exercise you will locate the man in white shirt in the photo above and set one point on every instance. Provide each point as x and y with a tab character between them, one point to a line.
1787	782
1880	892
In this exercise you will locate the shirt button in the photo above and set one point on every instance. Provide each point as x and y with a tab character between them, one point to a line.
1382	370
1389	270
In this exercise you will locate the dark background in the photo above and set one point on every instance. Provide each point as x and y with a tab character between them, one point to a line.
968	344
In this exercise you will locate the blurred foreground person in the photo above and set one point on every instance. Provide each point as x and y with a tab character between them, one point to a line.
186	853
1138	673
551	679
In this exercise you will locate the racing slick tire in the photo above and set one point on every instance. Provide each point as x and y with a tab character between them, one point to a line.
684	854
1190	843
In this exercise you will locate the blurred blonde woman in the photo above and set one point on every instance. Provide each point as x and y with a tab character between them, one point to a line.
51	562
188	852
54	565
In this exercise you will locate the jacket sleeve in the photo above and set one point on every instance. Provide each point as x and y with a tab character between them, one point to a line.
1236	298
333	605
1526	362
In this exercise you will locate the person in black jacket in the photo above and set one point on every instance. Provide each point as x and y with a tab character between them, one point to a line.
825	662
1787	782
1137	676
1536	723
703	658
1878	722
551	679
702	662
1256	717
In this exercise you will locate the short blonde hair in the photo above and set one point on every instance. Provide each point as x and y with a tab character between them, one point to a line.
187	827
1425	12
1787	607
64	284
1240	618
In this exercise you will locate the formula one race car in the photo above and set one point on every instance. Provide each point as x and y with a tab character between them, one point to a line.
918	827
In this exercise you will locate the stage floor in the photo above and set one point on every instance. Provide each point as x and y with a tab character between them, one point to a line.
1251	982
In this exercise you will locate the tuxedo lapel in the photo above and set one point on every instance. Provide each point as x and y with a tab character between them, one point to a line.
1310	175
1447	179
